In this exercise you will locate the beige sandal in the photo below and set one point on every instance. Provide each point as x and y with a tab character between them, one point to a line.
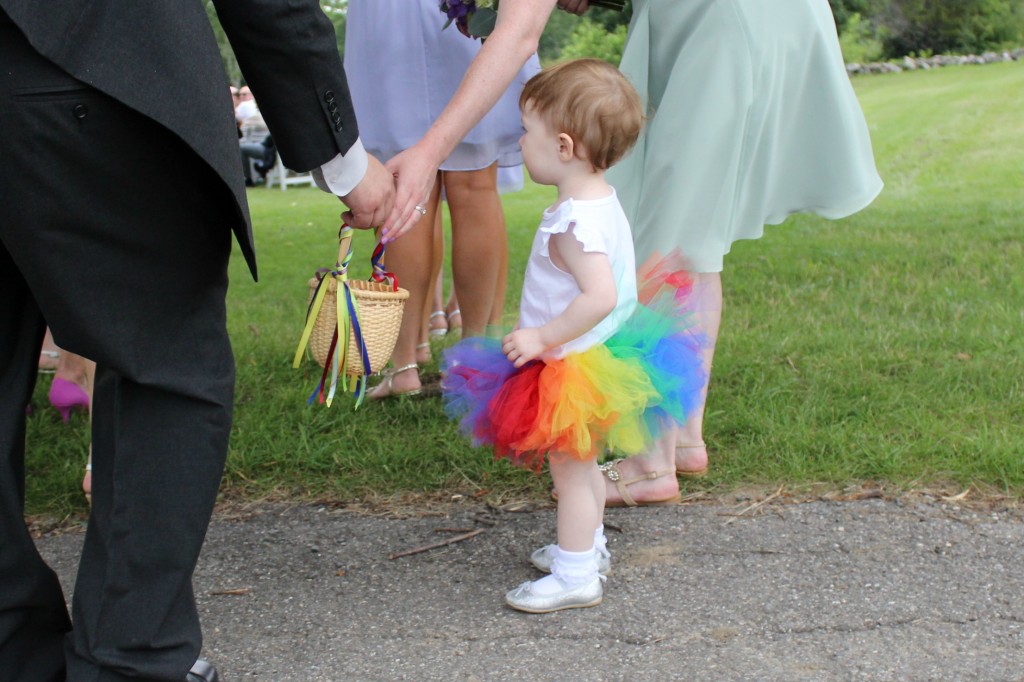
377	394
611	471
692	473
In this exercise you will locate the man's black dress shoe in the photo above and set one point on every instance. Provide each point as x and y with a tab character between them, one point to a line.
202	671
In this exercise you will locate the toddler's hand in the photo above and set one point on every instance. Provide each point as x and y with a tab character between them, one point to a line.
523	345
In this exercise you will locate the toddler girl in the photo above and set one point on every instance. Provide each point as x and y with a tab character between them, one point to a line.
589	368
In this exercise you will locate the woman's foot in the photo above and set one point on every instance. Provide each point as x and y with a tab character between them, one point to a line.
49	355
423	354
48	361
87	481
437	325
645	484
632	484
454	320
692	460
397	382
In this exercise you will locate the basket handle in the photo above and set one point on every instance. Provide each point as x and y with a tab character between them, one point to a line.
379	274
344	250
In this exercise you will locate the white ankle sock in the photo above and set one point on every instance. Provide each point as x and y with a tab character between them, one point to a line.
600	541
549	584
569	569
575	567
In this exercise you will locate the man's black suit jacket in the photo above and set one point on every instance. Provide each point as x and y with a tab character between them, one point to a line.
161	59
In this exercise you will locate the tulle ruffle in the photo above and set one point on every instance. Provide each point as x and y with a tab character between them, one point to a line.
614	397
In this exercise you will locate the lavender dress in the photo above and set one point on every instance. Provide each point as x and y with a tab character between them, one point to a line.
403	67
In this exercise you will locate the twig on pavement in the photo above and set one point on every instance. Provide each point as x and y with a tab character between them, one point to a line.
435	545
756	505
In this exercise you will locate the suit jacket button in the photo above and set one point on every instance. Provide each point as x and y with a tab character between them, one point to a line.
80	111
338	126
329	96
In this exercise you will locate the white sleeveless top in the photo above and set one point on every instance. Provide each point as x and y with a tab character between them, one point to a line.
601	226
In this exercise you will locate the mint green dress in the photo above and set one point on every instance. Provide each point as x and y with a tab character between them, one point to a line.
753	118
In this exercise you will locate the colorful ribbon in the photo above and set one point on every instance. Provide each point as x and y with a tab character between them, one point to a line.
347	325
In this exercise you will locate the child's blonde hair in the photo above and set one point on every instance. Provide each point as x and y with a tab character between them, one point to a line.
590	101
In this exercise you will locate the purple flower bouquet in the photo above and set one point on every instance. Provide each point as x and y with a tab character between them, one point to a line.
476	18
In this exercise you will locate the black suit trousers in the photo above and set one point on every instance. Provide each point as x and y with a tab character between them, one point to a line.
117	235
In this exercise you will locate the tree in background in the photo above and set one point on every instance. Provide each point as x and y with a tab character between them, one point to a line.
227	55
335	10
845	11
556	35
600	33
906	27
948	26
858	41
591	39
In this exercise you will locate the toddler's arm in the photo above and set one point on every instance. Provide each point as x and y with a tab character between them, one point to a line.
597	297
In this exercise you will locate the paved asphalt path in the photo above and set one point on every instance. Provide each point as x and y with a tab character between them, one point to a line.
860	590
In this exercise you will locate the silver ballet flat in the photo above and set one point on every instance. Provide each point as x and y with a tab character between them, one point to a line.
545	556
579	597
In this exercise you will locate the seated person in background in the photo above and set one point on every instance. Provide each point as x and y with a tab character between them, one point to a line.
254	132
269	156
235	101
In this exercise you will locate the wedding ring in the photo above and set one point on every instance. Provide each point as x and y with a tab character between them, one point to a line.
422	210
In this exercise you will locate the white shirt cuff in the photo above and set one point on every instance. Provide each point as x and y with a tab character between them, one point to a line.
341	174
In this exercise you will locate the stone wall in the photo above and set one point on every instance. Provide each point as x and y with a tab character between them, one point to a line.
938	61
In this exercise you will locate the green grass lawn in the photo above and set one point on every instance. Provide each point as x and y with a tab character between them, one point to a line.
887	348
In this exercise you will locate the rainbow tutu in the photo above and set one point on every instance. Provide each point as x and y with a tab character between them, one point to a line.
613	397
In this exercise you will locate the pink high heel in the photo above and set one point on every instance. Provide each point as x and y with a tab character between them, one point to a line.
67	395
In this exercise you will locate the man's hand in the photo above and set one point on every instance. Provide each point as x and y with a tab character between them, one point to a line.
371	201
578	7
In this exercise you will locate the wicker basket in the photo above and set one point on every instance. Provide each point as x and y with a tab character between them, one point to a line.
380	316
379	304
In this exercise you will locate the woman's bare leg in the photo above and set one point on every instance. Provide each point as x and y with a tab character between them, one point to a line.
495	324
478	224
411	259
689	452
430	302
437	322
